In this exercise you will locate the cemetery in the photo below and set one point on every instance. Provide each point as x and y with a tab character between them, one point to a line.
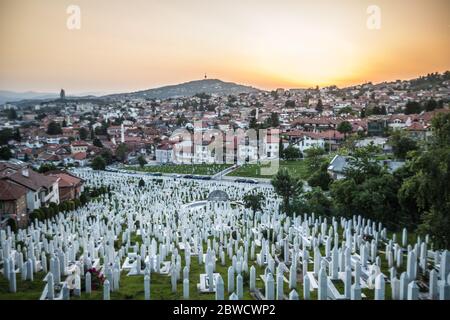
182	239
196	169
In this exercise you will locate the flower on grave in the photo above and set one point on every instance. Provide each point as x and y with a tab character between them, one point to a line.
97	279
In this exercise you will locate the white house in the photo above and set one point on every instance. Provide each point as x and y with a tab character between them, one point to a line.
164	153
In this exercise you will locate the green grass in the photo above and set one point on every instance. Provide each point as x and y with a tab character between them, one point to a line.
26	290
196	169
296	168
132	287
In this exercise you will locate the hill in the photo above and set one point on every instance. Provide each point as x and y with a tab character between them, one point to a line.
188	89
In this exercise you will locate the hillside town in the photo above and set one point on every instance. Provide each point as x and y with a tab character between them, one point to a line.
68	133
322	193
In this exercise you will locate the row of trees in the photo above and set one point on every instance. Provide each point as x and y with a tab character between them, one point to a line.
54	209
416	196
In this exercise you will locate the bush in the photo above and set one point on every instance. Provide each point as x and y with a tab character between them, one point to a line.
13	225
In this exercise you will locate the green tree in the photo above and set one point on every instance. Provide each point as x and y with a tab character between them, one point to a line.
430	105
17	135
345	128
314	201
5	136
141	183
413	107
254	201
321	178
314	158
107	155
402	144
54	128
291	153
319	107
274	120
121	152
46	167
83	133
5	153
287	187
142	161
11	114
253	124
98	163
96	142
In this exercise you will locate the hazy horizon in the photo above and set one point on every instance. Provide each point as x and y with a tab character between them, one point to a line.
139	45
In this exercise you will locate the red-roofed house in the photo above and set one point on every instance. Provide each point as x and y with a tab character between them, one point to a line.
13	203
70	186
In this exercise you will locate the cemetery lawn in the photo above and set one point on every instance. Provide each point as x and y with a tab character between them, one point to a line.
26	290
196	169
296	168
132	287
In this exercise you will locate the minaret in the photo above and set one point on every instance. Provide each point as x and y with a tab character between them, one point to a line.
122	133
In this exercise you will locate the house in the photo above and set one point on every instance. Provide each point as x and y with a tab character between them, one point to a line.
70	186
376	127
78	146
41	190
339	164
164	153
305	140
13	203
80	159
271	144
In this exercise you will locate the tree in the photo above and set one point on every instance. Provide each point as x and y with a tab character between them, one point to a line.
345	127
46	167
289	104
142	161
430	105
291	153
319	107
54	128
17	135
5	136
441	130
96	142
107	156
141	183
287	187
98	163
274	120
254	201
321	178
253	124
5	153
402	144
427	192
281	149
314	201
314	157
121	152
12	114
413	107
83	133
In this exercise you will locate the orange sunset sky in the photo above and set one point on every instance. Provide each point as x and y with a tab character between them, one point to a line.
128	45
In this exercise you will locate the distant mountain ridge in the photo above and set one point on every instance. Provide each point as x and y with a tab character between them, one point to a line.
11	96
187	89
